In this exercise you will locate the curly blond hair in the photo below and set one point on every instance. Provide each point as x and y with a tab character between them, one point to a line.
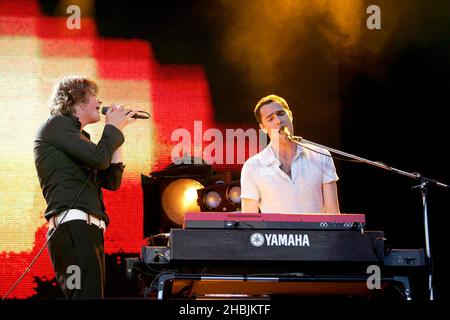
70	91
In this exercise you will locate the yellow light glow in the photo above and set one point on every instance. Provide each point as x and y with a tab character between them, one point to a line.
179	197
190	196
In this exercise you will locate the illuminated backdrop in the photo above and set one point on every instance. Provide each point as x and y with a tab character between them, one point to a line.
35	51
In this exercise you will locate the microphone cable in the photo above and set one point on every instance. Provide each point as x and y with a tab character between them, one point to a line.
48	238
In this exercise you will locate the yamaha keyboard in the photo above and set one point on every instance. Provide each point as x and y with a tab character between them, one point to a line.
275	245
218	236
236	220
276	254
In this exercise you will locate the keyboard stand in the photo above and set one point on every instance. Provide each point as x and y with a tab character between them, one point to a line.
212	286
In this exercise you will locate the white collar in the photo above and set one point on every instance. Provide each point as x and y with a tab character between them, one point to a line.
268	157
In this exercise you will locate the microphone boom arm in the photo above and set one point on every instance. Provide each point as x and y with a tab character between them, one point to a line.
414	175
423	185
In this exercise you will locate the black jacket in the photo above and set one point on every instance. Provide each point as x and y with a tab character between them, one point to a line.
64	157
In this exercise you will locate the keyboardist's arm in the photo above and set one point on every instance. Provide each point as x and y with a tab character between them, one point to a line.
330	197
249	205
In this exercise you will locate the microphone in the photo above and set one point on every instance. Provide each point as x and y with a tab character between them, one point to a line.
285	132
288	135
145	114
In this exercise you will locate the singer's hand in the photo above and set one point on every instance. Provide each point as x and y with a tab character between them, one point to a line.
119	117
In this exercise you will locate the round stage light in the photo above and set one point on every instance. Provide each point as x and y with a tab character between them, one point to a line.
234	195
213	199
179	197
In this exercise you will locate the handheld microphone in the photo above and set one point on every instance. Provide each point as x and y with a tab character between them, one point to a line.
145	114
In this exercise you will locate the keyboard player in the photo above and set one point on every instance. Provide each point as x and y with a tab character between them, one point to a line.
286	177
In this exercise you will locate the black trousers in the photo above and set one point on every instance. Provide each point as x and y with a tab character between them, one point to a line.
78	259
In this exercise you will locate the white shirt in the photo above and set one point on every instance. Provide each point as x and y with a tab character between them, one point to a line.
263	180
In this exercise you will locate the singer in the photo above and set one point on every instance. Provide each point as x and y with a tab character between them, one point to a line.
71	171
285	177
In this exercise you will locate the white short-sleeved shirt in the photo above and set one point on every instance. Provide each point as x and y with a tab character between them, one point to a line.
263	180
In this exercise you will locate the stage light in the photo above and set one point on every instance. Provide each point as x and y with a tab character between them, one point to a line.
212	199
225	197
170	193
234	194
179	197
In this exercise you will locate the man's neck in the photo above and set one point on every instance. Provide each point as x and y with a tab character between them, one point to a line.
285	150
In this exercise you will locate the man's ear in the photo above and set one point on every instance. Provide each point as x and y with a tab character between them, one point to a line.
262	128
77	108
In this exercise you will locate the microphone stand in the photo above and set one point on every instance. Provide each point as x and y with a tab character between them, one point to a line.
423	185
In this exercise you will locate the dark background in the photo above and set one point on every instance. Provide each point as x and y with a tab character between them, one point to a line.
380	94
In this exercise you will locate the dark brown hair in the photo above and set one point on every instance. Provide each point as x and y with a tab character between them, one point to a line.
269	99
